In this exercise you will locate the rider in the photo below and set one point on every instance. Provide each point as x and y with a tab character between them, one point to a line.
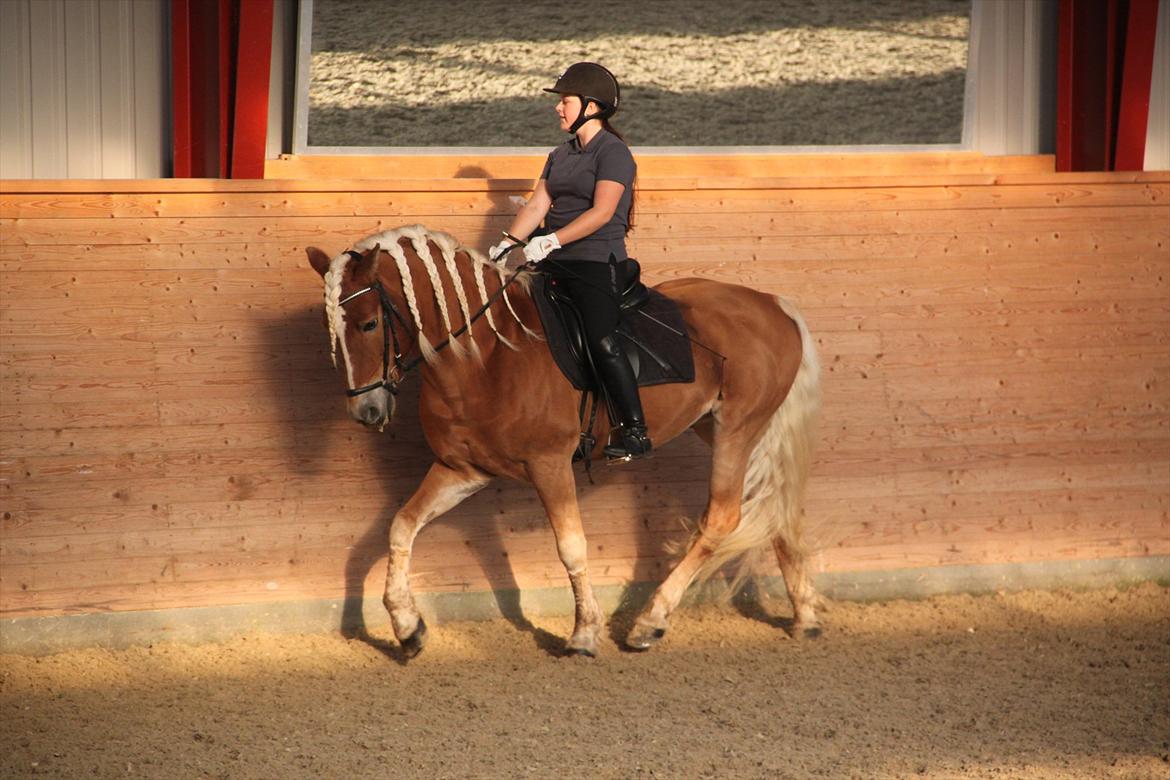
584	197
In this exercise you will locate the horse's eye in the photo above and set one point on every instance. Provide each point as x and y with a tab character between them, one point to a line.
368	326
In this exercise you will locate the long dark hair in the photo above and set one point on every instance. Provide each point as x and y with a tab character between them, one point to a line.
634	184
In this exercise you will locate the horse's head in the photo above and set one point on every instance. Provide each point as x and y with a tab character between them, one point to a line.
365	322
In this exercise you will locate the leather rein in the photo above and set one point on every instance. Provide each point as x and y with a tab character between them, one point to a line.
390	338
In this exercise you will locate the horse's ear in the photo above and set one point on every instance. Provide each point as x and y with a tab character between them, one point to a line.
318	259
367	267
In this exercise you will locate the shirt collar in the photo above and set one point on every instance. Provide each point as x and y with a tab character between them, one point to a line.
575	143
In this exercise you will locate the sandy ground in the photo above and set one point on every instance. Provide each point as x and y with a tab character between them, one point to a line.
1026	685
694	73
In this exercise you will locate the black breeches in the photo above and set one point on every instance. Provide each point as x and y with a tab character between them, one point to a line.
593	287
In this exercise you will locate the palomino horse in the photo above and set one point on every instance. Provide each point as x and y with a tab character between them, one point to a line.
494	404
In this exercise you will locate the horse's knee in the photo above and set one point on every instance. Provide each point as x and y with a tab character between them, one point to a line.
403	529
573	552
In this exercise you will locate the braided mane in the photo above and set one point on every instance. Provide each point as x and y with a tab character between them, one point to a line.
421	240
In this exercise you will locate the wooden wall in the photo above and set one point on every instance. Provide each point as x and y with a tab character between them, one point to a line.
997	382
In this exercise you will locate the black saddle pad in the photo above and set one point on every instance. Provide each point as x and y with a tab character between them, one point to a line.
654	336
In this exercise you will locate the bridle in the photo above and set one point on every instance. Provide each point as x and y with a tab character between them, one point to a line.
390	313
389	334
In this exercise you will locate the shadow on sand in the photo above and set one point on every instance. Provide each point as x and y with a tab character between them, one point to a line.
850	112
340	26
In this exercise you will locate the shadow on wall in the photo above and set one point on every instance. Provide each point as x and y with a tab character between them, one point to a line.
346	474
844	112
355	470
363	476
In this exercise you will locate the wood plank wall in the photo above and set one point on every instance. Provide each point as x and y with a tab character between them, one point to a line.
658	165
997	382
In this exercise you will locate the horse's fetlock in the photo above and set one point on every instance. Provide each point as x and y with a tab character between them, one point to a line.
404	623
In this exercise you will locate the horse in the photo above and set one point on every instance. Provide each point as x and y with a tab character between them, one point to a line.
494	404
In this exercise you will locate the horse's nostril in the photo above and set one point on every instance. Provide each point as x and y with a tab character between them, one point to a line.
371	415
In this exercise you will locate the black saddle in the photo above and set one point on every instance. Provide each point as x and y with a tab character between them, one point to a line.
652	331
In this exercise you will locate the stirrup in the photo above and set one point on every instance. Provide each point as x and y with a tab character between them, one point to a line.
634	444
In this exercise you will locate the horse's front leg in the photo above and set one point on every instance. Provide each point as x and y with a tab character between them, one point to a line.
554	483
441	490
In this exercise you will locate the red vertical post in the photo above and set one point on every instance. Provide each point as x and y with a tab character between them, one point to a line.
1064	95
1084	87
221	53
253	66
1105	62
181	140
195	79
224	51
1114	45
205	76
1137	73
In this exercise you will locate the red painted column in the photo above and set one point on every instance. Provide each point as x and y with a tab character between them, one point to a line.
221	51
1105	66
1084	85
253	66
1137	73
181	141
196	84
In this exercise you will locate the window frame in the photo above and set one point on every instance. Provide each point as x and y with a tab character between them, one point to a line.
992	123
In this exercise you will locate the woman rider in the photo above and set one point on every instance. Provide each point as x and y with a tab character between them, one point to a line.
584	197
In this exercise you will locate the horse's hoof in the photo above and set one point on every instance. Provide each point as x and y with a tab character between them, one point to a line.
644	637
580	652
813	632
413	644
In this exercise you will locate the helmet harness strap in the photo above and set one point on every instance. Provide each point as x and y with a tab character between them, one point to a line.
605	113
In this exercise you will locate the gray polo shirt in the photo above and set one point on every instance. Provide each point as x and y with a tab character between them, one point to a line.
570	174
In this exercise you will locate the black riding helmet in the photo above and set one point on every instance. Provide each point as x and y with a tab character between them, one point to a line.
593	84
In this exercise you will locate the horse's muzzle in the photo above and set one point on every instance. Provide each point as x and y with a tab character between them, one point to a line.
374	410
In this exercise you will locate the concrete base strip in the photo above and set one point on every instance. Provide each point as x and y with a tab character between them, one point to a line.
40	635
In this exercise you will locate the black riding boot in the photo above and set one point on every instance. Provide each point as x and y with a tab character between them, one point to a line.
621	386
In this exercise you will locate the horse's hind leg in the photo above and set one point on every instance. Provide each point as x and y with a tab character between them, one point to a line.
441	490
554	483
791	556
721	518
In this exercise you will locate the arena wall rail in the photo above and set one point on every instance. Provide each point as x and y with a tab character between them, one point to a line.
997	394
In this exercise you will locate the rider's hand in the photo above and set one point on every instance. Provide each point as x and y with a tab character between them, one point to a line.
539	248
496	253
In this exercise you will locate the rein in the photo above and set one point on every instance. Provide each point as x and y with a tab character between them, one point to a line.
390	333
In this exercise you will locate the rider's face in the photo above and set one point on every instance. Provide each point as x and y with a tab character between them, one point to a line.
568	108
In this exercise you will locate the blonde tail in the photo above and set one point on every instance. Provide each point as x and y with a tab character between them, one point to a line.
778	469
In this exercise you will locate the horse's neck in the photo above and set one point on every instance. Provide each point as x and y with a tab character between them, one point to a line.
503	318
464	380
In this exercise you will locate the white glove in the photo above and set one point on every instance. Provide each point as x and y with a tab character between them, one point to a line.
539	248
496	253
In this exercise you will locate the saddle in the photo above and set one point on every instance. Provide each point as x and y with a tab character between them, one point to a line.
652	331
